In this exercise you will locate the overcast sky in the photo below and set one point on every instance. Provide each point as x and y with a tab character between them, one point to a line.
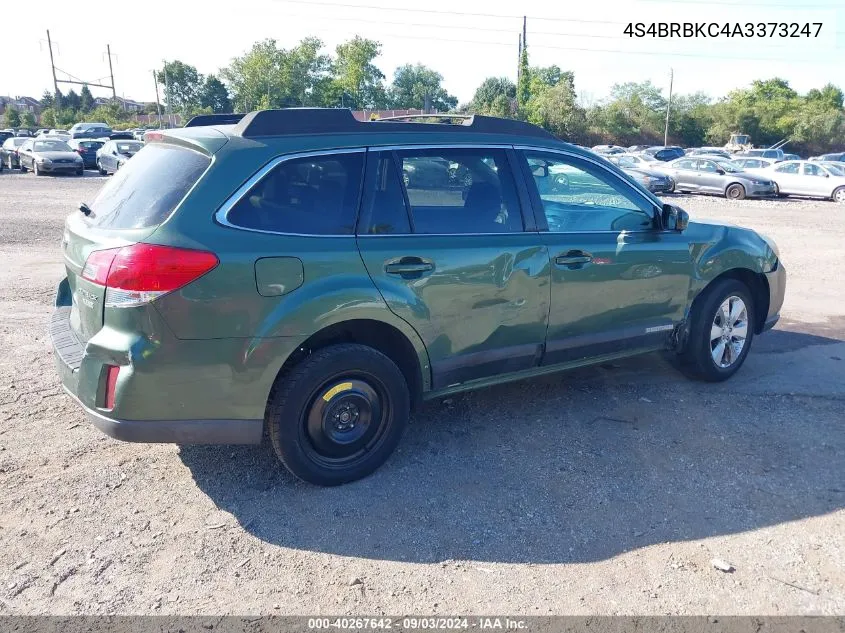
583	36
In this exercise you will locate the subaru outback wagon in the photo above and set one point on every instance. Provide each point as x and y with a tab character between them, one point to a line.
296	272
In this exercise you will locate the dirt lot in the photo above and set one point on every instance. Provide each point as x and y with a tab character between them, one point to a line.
607	490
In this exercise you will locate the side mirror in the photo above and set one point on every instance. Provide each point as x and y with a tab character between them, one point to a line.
721	172
540	171
674	218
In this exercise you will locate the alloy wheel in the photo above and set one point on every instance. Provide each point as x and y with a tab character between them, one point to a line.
728	332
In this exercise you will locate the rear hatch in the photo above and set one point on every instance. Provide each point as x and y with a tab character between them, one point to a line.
127	210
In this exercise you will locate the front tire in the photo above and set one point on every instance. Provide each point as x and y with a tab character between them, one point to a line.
339	414
100	169
721	331
35	170
735	192
839	195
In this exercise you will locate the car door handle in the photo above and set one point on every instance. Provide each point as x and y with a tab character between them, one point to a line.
573	258
408	266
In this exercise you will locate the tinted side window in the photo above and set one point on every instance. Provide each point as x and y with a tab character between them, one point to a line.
317	195
460	191
580	196
789	168
383	210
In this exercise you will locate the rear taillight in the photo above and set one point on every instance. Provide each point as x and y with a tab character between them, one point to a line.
137	274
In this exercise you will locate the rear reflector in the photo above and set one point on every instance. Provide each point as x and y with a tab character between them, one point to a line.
112	372
137	274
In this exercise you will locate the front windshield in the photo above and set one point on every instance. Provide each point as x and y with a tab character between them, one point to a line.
741	139
836	170
51	146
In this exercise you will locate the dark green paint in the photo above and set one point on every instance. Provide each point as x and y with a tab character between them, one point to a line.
213	349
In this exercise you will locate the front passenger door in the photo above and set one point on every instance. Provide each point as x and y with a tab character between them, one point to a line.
619	282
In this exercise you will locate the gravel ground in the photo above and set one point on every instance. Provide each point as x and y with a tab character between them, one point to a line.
605	490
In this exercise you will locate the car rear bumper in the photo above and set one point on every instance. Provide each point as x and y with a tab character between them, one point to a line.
174	391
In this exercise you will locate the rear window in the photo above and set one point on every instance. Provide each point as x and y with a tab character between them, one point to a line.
316	195
147	189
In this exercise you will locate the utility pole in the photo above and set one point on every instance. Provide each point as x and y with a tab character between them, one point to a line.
53	67
519	60
158	103
111	72
668	107
524	32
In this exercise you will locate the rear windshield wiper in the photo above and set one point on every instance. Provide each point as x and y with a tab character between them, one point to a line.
85	209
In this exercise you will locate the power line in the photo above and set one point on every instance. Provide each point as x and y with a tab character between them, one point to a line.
492	30
593	50
442	12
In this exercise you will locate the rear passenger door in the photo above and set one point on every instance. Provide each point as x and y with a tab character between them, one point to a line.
443	234
685	174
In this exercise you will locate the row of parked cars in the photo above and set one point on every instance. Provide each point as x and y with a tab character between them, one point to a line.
85	145
713	170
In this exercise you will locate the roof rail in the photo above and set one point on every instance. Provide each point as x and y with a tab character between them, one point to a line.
292	121
214	119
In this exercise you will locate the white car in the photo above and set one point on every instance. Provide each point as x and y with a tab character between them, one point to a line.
754	165
805	178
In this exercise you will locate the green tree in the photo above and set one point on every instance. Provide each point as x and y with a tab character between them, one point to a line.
28	119
86	99
12	116
553	104
495	96
72	100
417	86
182	84
306	73
357	76
48	117
48	99
214	95
523	88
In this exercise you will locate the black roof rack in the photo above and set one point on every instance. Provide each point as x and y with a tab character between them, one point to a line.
214	119
292	121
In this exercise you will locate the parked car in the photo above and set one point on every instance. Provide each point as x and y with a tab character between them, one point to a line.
325	297
90	130
49	156
706	175
654	181
776	154
87	149
114	154
664	154
139	134
609	149
752	164
806	178
4	134
62	135
9	151
708	151
23	132
836	157
41	131
791	157
637	148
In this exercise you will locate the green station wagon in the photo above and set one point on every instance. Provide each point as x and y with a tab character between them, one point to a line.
315	276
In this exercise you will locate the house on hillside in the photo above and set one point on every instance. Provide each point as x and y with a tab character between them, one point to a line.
21	104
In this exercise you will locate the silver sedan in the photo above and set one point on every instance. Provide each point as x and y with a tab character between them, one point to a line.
706	175
805	178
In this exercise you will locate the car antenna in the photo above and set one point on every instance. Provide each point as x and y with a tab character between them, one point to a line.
85	208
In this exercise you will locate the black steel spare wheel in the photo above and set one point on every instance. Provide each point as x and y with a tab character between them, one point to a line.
345	418
338	414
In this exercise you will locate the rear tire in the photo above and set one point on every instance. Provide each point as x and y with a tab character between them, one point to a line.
339	414
839	195
735	192
21	167
102	171
720	333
